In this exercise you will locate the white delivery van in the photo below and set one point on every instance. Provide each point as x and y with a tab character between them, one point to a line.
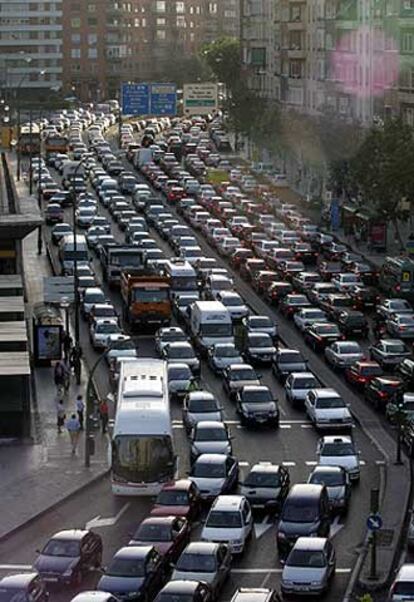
210	323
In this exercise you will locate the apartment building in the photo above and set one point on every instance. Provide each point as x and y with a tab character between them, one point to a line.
30	45
221	19
353	58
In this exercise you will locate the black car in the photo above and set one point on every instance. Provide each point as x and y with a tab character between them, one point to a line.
287	361
68	556
336	303
382	390
353	324
24	587
320	335
364	297
266	486
257	405
189	591
405	371
134	573
389	352
293	303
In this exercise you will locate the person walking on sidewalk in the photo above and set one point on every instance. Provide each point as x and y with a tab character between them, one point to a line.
60	415
67	346
73	428
80	408
104	414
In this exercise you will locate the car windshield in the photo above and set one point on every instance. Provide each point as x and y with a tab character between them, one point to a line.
371	370
209	471
211	434
232	302
260	323
60	547
338	449
107	328
179	374
243	374
304	383
404	588
94	297
395	348
296	511
306	559
180	352
332	479
259	341
172	498
202	405
153	532
259	396
126	567
350	348
14	595
290	358
229	351
325	403
225	520
328	329
262	479
213	329
196	563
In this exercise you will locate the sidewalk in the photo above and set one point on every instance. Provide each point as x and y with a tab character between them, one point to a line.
40	474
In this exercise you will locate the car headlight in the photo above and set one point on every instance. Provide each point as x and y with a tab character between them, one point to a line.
315	582
68	573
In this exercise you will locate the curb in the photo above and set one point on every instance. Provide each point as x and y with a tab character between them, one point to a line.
54	505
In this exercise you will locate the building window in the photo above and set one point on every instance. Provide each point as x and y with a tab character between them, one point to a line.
75	53
92	39
92	53
407	42
91	8
295	69
160	6
92	21
180	8
75	22
181	21
75	37
161	34
161	22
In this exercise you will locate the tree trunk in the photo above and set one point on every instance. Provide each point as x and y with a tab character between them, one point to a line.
396	225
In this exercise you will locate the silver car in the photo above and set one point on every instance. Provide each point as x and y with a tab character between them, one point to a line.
260	324
91	296
343	354
298	385
222	355
100	330
180	379
181	353
309	567
204	561
401	326
210	437
169	334
337	483
200	406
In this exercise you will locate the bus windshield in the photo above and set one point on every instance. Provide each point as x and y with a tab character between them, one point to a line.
143	459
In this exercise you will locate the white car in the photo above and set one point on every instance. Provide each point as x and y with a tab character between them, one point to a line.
100	330
200	406
402	589
230	521
309	567
339	451
169	334
327	410
346	282
260	324
308	316
342	354
233	302
91	296
298	385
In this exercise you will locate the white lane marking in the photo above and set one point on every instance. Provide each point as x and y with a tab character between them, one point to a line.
16	567
288	463
336	526
261	528
380	462
244	463
311	463
97	522
285	426
306	426
178	426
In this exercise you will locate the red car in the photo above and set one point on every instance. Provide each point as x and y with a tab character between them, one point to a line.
361	373
168	534
180	498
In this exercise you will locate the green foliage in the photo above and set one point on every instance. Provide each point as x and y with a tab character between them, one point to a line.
366	598
223	56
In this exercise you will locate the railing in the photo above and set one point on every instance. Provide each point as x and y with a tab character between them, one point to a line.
9	186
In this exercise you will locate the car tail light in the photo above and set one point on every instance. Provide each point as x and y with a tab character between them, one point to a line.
361	379
382	394
397	287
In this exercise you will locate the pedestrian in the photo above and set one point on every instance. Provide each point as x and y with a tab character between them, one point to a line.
67	345
75	361
60	415
73	428
59	374
104	414
80	408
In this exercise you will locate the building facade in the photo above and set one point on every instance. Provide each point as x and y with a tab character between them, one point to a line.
31	45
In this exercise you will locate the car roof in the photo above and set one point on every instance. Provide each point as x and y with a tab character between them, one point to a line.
251	388
240	367
208	424
302	375
180	485
227	503
135	552
201	547
310	543
181	586
327	469
159	520
406	573
200	395
267	467
325	392
70	534
336	439
19	580
211	459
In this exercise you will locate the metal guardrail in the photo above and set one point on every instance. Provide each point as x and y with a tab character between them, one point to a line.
11	198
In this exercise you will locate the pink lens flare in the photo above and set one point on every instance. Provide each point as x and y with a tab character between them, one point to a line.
366	62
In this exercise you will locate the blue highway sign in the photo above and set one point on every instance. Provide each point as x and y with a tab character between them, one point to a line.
163	99
135	99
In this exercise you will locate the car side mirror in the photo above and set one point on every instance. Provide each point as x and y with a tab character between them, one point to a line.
37	551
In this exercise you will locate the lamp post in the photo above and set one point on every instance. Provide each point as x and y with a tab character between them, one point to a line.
123	343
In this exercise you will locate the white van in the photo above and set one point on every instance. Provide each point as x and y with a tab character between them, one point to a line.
210	323
67	252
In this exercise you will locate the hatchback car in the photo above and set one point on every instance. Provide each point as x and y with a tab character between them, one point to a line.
298	385
339	451
230	521
132	571
210	437
214	474
200	406
204	561
185	590
222	355
257	405
168	534
24	587
68	556
180	498
337	483
266	486
309	567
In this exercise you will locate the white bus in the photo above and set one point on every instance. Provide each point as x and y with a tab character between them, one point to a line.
182	275
143	456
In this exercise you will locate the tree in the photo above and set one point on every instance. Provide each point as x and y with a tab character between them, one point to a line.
223	56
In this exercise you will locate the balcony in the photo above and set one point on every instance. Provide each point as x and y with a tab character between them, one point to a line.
296	25
296	53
